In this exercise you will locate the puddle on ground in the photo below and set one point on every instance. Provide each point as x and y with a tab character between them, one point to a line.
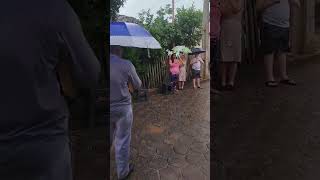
155	129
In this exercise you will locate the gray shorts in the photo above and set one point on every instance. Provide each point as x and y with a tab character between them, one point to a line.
195	74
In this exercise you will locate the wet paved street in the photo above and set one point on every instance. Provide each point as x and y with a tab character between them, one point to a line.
263	134
171	136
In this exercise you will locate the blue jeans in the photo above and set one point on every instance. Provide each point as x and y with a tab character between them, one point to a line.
120	132
36	158
174	80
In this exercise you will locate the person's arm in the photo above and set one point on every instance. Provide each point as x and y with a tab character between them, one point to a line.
193	61
201	60
261	5
181	61
170	62
225	8
134	79
229	7
296	3
84	65
236	6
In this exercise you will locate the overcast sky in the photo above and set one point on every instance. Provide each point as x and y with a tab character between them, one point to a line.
133	7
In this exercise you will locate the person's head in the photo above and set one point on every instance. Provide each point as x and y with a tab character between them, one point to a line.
182	55
116	50
173	57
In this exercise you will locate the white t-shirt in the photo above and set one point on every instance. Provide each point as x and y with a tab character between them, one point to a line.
197	65
278	14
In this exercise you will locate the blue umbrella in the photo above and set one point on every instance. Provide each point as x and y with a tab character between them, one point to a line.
131	35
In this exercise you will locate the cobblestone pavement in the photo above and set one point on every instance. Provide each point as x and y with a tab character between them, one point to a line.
171	137
263	133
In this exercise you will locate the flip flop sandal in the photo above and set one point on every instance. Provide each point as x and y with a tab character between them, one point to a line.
214	91
288	82
222	88
230	87
272	84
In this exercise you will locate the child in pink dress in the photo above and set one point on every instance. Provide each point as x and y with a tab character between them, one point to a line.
174	71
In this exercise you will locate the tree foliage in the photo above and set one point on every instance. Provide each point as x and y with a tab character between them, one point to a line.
189	26
115	5
186	30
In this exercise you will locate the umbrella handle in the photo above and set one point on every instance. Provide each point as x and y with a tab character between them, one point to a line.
149	53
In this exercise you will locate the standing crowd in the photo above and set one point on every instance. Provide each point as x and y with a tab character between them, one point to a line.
178	71
226	42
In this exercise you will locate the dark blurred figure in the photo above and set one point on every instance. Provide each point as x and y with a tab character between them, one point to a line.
34	36
215	18
275	40
231	31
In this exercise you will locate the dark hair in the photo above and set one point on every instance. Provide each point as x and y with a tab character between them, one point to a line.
172	58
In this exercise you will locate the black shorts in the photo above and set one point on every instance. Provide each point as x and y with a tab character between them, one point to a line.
195	74
274	39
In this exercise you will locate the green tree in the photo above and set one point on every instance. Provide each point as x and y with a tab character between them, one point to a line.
189	26
185	31
115	5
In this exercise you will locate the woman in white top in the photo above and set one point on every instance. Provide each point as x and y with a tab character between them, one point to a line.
196	69
230	41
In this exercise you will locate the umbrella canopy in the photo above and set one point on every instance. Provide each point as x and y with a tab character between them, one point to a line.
181	49
197	51
169	52
131	35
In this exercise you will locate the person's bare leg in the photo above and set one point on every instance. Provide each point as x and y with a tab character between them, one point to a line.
179	84
182	84
282	58
198	82
194	83
268	63
223	74
233	67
